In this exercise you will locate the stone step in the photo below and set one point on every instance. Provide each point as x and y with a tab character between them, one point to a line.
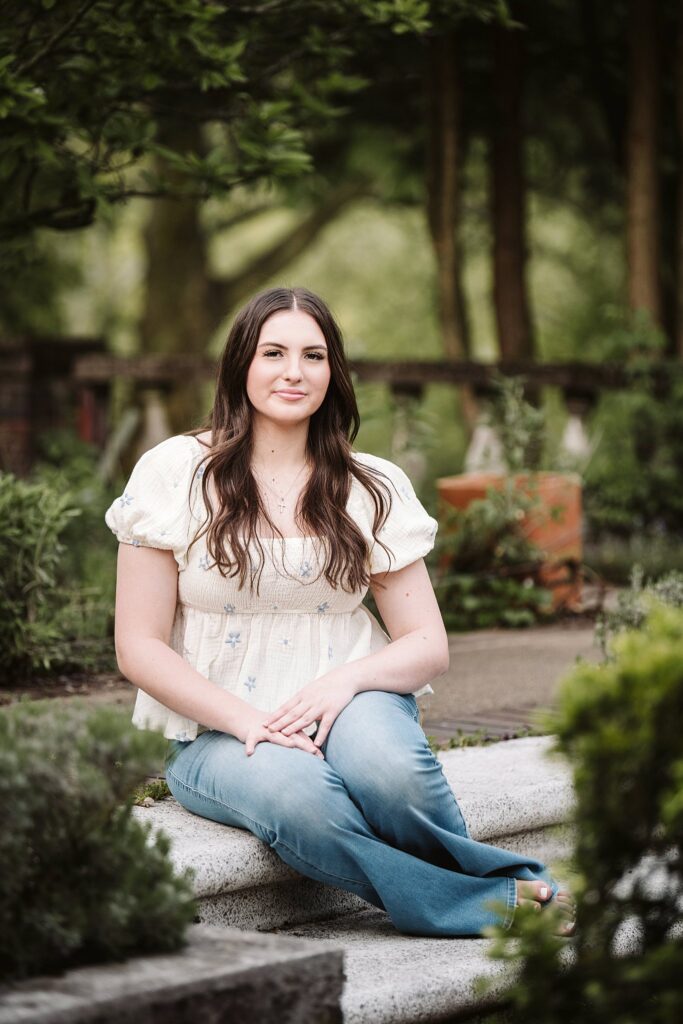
219	975
511	793
402	979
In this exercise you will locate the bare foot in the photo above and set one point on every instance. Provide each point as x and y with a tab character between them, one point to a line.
537	894
566	904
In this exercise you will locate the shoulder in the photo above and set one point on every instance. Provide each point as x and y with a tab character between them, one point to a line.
171	455
388	469
408	531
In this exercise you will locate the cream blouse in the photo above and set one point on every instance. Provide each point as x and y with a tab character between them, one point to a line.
265	648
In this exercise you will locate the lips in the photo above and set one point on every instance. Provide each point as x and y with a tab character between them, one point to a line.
291	393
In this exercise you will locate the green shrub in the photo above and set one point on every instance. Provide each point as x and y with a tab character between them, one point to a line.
613	558
66	463
518	424
620	724
484	601
82	881
88	567
489	535
33	517
633	482
57	570
486	566
633	604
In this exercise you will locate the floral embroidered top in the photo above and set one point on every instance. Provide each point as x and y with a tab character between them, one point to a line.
261	648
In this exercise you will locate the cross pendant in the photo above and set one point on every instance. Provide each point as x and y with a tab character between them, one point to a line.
281	506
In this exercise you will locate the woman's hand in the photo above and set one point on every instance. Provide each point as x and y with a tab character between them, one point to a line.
319	701
253	731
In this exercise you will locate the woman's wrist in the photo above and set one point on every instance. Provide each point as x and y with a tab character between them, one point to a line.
241	717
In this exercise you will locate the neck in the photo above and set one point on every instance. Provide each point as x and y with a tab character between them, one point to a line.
279	451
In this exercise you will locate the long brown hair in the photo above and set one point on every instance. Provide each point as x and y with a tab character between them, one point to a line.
332	429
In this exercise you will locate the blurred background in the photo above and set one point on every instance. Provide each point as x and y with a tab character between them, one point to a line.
471	186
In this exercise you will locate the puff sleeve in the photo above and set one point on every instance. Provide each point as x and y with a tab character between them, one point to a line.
409	531
154	510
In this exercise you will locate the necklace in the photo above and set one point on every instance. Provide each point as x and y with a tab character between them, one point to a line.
281	498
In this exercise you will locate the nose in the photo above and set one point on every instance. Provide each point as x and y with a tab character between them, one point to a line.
293	369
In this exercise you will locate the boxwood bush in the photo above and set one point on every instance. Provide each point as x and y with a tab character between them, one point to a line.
620	725
82	880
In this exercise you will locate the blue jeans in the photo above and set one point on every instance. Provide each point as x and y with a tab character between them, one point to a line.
376	817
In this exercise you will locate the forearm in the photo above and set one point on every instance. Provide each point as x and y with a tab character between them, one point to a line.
163	674
403	666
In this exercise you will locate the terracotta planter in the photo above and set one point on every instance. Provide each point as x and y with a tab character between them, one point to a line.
553	525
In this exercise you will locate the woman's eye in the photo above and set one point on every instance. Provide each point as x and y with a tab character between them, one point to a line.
311	355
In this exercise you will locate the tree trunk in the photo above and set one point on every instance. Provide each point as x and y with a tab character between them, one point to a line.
644	290
443	199
592	19
176	315
508	193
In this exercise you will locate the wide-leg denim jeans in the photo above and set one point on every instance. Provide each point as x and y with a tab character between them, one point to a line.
376	817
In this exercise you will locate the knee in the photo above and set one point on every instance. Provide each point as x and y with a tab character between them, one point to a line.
401	774
308	793
373	718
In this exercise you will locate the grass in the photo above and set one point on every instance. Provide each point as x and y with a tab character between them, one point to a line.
481	738
154	788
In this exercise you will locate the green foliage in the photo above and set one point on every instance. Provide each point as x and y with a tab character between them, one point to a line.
630	336
479	738
613	557
66	463
58	577
518	424
82	880
157	789
80	85
484	602
29	296
633	604
632	483
486	565
490	533
32	518
619	723
85	89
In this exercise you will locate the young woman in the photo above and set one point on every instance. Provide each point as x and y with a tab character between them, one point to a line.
247	547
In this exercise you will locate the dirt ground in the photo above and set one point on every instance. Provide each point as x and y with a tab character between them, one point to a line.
98	688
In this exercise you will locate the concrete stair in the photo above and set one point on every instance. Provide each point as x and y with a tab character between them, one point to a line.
513	794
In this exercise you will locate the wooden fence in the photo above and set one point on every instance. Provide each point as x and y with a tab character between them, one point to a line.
50	383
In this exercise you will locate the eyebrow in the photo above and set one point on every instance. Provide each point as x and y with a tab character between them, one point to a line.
278	344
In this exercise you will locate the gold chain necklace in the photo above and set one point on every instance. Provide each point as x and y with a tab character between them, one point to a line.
281	498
